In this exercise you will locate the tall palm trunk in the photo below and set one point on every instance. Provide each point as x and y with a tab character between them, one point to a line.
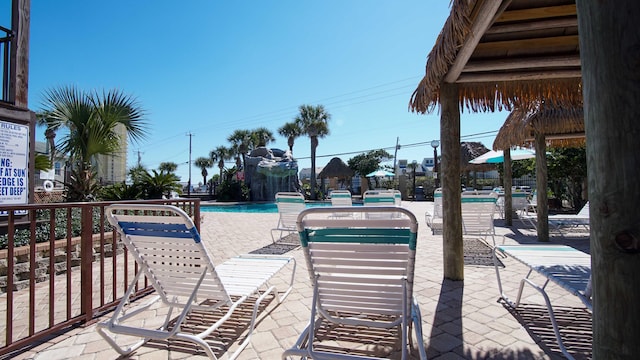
314	145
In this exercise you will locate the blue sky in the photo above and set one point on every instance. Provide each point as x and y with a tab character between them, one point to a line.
211	67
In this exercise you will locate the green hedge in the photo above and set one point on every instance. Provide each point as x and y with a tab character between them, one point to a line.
23	236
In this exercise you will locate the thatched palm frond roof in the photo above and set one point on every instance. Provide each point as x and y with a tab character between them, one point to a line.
504	53
336	168
470	150
563	127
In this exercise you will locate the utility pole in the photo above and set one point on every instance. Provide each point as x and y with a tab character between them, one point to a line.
395	154
190	135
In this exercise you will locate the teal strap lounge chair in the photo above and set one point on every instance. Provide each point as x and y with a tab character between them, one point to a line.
561	264
289	204
376	198
170	254
362	272
477	215
434	221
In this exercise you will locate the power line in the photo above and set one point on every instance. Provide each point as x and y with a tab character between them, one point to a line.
401	146
259	119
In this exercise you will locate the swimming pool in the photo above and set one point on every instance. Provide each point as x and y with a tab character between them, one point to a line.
252	208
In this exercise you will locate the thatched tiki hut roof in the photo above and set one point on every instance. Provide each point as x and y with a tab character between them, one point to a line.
504	53
470	150
336	168
562	127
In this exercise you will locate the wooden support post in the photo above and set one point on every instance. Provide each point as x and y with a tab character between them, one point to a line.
20	78
450	170
508	199
86	262
541	187
612	110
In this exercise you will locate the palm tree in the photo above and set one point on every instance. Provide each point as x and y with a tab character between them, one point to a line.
160	183
291	131
240	141
220	154
168	167
136	173
203	163
91	119
261	137
314	122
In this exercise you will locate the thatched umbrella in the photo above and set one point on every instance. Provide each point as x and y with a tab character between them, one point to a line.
469	151
561	126
336	168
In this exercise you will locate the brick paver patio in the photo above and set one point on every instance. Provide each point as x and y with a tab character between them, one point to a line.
461	320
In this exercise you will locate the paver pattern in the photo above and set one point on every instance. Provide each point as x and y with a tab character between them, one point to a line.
461	319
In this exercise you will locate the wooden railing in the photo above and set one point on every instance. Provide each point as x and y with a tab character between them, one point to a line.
62	266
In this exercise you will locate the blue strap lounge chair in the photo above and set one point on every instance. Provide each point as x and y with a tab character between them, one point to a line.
170	254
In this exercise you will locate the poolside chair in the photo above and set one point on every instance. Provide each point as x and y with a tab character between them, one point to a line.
519	202
362	275
341	198
567	267
289	204
434	221
170	254
477	215
379	198
562	223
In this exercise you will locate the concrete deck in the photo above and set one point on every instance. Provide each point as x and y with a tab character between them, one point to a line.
461	320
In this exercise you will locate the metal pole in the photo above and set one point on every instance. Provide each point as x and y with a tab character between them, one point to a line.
415	164
190	135
435	166
435	144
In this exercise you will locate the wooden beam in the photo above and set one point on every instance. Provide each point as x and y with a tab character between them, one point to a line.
523	63
538	13
483	20
450	169
518	76
560	136
537	45
533	25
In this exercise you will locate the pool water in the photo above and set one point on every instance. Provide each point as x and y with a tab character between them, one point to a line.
252	208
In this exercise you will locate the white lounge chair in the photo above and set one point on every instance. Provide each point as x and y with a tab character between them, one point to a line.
289	204
378	198
564	265
341	198
362	275
169	252
477	215
562	223
434	221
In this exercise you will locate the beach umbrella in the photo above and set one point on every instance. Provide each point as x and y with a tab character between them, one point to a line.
495	157
381	173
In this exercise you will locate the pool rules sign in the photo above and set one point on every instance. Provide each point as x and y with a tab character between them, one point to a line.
14	160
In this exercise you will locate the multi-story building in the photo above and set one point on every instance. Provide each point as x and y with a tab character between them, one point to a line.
113	168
